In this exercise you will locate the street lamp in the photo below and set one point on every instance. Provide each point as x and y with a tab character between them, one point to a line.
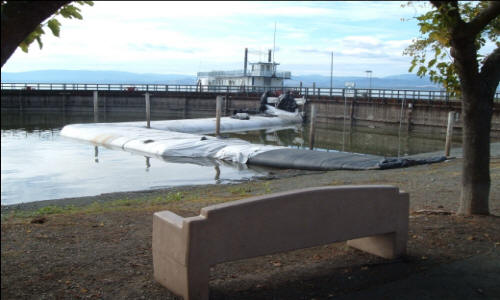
369	74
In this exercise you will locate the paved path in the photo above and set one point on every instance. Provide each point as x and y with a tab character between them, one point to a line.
474	278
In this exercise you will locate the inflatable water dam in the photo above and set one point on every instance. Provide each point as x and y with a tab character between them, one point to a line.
189	138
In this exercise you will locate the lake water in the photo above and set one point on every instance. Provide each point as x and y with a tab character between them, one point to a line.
38	164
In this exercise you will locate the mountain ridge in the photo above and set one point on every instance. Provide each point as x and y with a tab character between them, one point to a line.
401	81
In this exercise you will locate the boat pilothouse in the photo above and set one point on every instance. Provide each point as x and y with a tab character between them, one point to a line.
261	76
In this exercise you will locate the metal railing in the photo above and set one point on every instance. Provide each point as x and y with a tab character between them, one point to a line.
241	73
306	91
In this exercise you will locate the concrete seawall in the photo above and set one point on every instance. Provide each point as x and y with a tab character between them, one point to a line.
415	115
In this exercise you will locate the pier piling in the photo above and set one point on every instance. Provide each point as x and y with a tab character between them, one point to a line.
148	111
96	107
218	113
311	126
449	133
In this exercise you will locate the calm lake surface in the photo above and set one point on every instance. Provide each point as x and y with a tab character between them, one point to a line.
38	164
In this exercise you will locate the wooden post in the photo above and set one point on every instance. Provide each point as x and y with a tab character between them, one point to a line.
218	108
185	110
314	88
343	130
449	133
226	105
400	122
311	126
148	111
20	104
351	113
96	107
408	116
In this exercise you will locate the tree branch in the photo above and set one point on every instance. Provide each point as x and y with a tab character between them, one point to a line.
490	72
450	9
477	24
20	18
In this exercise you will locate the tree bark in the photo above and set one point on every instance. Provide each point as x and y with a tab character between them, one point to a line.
20	18
478	89
477	108
476	112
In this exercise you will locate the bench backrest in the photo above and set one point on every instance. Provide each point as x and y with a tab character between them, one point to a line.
293	220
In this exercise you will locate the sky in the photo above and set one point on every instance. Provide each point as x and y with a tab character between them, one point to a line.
167	37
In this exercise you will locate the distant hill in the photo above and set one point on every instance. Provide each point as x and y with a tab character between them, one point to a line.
404	81
83	76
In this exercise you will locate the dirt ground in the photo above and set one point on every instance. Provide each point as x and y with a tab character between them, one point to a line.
103	251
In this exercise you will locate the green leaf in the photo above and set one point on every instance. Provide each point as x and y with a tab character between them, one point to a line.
442	65
54	26
421	71
39	41
431	63
70	11
437	51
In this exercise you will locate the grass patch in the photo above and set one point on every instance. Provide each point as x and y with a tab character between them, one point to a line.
240	190
267	188
169	198
97	207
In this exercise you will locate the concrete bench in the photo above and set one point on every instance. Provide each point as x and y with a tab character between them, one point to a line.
371	218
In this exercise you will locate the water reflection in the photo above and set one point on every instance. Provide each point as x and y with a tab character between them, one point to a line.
42	165
96	154
198	161
217	174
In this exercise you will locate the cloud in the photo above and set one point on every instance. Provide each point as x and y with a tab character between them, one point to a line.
187	37
313	51
361	42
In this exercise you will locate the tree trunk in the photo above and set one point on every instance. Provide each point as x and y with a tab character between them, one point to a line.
477	113
477	107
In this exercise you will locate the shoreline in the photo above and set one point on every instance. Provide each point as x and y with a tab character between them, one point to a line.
150	193
275	174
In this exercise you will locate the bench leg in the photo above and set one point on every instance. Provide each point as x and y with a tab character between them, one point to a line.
190	283
390	245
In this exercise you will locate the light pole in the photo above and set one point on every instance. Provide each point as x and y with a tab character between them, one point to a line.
331	75
369	74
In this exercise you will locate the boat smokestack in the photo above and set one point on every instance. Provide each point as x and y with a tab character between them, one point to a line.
245	64
269	56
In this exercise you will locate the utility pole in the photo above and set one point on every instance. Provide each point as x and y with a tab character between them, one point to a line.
274	48
331	75
274	40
